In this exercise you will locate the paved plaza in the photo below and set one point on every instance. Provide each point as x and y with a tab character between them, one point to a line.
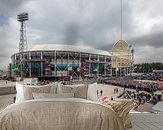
6	83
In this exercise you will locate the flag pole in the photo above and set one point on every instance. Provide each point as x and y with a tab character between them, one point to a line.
121	20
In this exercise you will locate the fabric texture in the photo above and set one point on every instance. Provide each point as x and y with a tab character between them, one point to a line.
122	108
79	91
50	95
59	115
92	92
29	90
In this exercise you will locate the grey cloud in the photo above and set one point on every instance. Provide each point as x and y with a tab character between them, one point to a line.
94	23
107	47
8	44
3	19
91	19
72	33
150	8
152	39
127	18
8	6
148	54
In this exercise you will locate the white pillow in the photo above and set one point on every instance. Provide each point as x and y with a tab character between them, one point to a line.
71	86
92	92
20	94
79	90
29	90
24	92
50	95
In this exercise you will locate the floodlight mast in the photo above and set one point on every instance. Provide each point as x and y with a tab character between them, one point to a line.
23	41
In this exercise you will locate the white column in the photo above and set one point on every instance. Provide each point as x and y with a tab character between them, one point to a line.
98	65
68	64
30	64
79	65
41	64
89	64
105	65
54	63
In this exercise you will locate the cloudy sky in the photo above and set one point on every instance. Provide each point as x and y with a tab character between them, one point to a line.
89	22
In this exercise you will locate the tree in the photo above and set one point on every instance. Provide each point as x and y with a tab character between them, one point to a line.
147	67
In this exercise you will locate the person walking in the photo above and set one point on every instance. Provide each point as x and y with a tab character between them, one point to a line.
97	93
111	98
101	92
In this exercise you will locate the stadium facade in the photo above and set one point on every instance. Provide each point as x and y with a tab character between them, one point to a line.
56	60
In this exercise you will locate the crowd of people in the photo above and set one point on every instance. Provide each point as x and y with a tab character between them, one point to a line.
143	97
134	84
144	90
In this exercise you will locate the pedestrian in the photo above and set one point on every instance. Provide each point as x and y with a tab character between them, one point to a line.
154	100
144	99
14	99
111	98
117	90
103	81
140	101
134	95
97	93
114	90
101	92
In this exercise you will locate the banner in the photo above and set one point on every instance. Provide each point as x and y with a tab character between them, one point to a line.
15	67
95	67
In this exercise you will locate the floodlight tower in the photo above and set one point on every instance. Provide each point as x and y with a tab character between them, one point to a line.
23	42
23	39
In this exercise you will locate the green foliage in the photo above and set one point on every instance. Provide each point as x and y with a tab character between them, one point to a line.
147	67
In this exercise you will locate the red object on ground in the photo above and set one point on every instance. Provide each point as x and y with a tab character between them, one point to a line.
104	100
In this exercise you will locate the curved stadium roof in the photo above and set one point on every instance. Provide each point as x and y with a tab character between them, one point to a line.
71	48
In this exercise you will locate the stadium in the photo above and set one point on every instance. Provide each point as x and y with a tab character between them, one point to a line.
56	60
